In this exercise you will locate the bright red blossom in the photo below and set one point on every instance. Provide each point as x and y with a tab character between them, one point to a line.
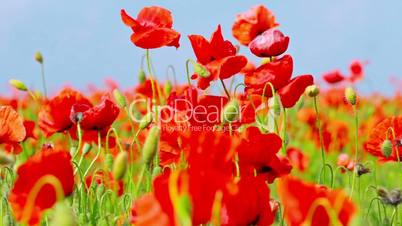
12	130
270	43
152	28
218	56
252	23
333	77
45	162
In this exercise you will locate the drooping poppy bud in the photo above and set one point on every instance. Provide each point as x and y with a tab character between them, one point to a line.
109	160
350	95
276	105
271	43
200	70
141	76
63	215
120	165
230	112
150	147
86	148
18	84
146	120
386	148
156	171
120	98
39	57
312	91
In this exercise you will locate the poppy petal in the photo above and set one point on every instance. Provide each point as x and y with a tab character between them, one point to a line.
291	93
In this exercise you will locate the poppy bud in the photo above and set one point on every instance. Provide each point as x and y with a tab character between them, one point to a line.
350	95
120	98
39	57
141	76
87	147
168	88
276	106
109	160
18	84
146	120
5	159
150	147
156	171
312	91
270	43
200	70
386	148
230	112
63	215
120	165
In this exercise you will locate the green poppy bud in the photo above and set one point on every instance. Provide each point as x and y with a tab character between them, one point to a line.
230	112
156	171
120	98
109	160
200	70
6	159
63	215
386	148
39	57
146	120
276	105
150	147
167	88
312	91
350	95
120	165
18	84
141	76
86	148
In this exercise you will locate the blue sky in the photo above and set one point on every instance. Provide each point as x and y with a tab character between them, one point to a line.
84	41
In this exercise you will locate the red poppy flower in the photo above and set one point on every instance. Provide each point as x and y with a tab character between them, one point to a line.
303	203
147	211
54	115
43	163
107	180
252	23
248	205
296	157
152	28
379	134
254	155
278	73
99	117
218	56
333	77
30	129
270	43
356	71
12	130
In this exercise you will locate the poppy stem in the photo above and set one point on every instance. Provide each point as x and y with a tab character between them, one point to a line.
97	155
173	73
42	68
224	88
152	81
188	71
356	148
318	124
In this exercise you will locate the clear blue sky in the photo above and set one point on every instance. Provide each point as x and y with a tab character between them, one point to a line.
84	41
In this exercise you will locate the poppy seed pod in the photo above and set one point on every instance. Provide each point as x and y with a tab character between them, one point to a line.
386	148
120	98
18	84
141	76
167	88
200	70
39	57
230	112
63	215
150	147
350	95
312	91
146	120
120	165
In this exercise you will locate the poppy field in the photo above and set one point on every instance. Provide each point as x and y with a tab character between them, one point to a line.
270	147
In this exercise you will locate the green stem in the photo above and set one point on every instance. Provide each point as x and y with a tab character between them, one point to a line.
356	148
224	88
97	155
42	67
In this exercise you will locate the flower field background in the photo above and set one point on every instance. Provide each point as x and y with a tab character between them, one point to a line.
244	141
